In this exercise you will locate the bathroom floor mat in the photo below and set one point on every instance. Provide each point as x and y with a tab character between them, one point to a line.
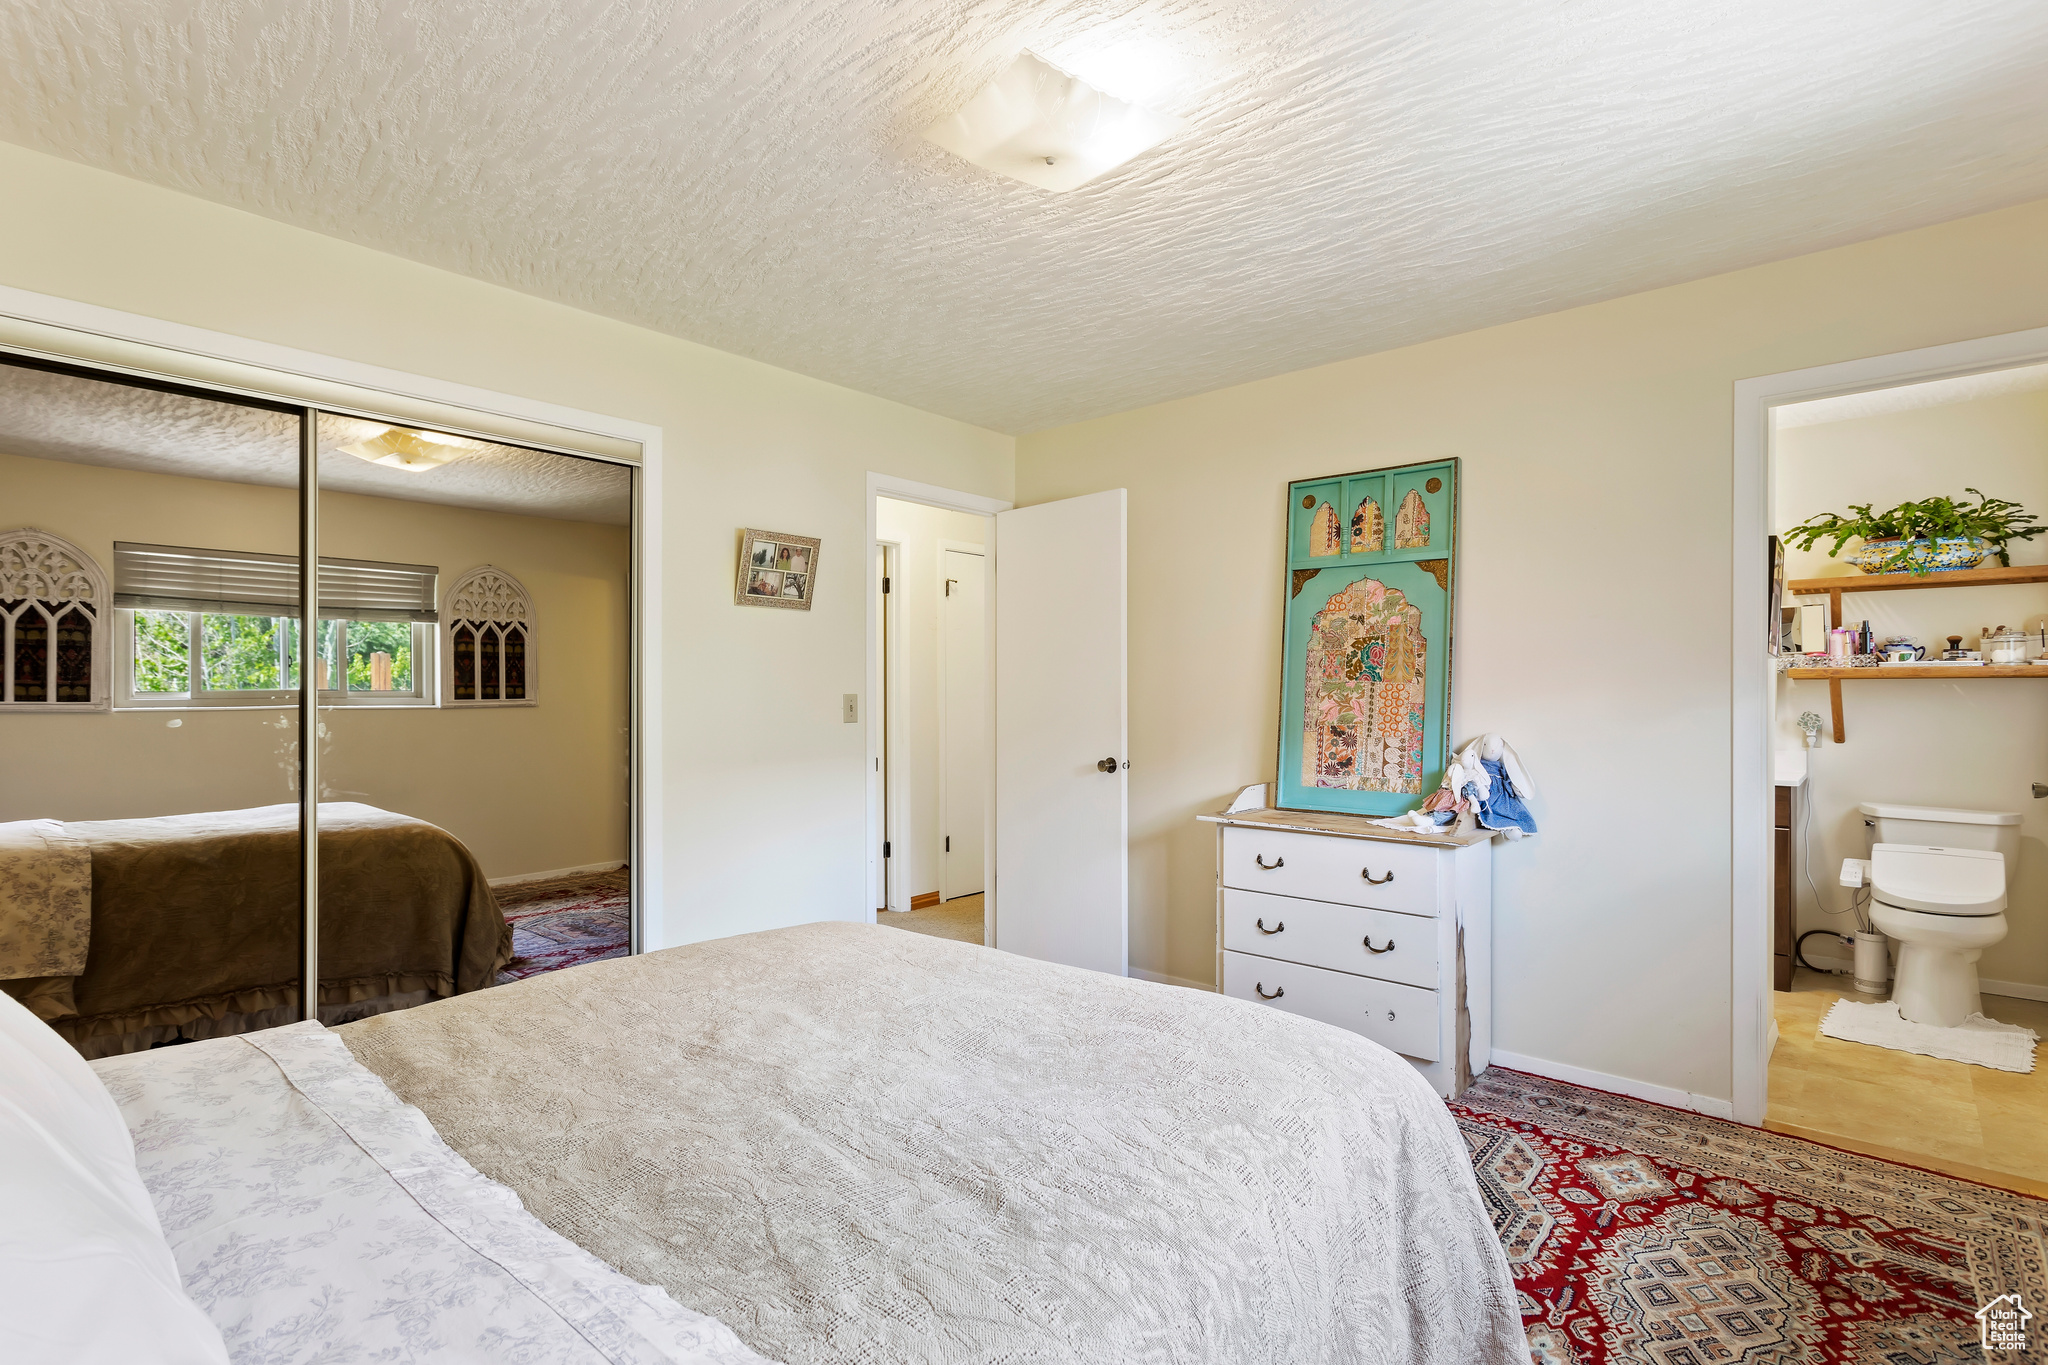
1977	1040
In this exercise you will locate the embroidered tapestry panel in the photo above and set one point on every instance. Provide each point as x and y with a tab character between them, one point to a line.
1367	663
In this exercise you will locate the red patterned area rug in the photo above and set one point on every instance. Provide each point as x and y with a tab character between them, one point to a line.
1651	1236
566	922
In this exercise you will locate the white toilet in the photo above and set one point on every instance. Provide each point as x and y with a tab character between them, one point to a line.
1938	880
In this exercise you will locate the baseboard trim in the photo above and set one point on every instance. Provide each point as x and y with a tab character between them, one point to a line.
1163	979
1670	1096
2017	990
612	866
925	901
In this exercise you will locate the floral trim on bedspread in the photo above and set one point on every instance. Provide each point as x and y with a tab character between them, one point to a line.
45	900
317	1217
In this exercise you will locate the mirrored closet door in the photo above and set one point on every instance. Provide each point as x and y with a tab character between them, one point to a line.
150	823
474	690
465	647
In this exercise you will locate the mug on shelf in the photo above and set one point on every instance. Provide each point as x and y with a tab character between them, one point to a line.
1905	654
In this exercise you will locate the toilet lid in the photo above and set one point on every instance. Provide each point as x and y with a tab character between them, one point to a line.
1940	881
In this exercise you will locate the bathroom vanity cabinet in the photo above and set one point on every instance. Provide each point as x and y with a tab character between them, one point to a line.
1387	933
1782	917
1789	789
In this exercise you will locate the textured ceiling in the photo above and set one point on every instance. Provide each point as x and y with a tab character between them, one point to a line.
85	421
1355	175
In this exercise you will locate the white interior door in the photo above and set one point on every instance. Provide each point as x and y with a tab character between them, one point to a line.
963	721
1062	820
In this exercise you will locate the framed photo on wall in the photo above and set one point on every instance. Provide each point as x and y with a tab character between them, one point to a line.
1365	680
776	570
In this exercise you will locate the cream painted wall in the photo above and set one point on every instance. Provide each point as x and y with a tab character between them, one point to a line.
1594	612
1973	745
529	789
751	701
919	529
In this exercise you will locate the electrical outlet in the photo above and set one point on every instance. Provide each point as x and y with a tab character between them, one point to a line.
849	708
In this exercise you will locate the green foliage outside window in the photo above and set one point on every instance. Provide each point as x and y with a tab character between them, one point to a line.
366	638
163	651
260	653
245	653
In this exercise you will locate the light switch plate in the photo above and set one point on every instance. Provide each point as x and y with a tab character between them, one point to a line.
849	708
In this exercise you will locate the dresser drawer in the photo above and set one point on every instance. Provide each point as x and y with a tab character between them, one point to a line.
1402	947
1317	867
1401	1017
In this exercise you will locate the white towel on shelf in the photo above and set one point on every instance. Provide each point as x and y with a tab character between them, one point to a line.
1977	1040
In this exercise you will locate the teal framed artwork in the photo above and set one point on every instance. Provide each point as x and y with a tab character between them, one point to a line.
1365	680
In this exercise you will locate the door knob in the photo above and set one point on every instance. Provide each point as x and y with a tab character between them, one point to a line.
1108	765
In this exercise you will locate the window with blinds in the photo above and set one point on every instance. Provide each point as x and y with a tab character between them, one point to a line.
221	627
245	583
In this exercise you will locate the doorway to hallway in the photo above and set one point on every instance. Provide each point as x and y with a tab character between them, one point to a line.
935	762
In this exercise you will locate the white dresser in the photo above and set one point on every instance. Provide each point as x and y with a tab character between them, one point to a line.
1380	931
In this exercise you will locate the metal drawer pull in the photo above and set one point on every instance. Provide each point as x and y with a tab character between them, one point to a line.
1282	925
1260	859
1371	880
1278	991
1370	949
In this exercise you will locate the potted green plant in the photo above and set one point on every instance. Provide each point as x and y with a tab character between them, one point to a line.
1932	536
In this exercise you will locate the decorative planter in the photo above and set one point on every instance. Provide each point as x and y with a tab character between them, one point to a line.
1941	555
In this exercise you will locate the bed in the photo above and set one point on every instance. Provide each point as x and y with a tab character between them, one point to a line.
833	1143
190	926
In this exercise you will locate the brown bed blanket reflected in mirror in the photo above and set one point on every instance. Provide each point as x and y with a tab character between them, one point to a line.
195	924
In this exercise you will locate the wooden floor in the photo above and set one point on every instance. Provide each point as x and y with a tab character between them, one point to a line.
1969	1121
959	918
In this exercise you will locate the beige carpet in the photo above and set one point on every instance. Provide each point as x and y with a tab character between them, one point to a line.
958	919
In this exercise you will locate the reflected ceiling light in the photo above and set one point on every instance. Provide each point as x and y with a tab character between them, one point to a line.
1038	124
413	451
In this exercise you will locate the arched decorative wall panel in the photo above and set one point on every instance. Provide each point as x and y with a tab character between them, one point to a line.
54	628
487	631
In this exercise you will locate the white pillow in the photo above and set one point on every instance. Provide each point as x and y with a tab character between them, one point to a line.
86	1277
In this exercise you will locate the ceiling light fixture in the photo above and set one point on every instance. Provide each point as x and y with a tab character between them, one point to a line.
413	451
1045	127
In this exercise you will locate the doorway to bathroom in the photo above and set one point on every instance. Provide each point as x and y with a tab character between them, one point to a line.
1888	755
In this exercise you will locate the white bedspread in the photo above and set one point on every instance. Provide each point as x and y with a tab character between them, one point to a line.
860	1146
316	1218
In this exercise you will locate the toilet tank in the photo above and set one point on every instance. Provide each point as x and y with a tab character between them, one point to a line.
1992	831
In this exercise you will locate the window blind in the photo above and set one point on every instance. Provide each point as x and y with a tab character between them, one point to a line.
246	583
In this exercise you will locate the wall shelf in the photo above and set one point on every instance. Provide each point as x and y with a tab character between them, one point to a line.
1835	677
1833	588
1883	672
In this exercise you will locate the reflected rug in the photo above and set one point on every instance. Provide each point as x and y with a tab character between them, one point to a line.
1652	1236
566	922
